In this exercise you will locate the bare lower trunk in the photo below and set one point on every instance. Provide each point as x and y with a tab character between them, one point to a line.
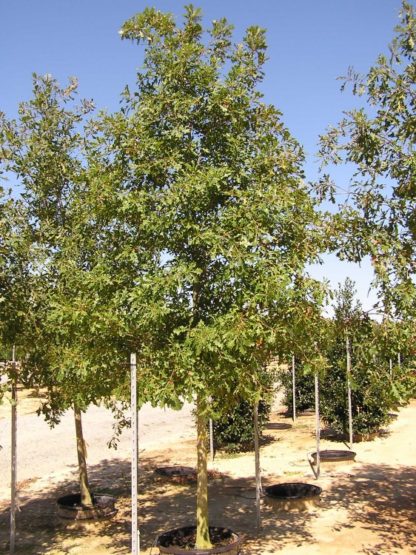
202	526
86	498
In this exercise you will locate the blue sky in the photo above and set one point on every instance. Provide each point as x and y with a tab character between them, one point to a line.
311	43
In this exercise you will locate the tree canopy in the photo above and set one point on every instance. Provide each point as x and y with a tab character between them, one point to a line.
379	140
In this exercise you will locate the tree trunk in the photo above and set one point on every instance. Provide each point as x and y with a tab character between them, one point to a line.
202	525
86	498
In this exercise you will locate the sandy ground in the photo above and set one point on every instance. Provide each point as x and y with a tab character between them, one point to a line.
44	452
366	507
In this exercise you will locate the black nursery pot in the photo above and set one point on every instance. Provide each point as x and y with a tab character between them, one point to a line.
70	507
181	540
335	456
293	496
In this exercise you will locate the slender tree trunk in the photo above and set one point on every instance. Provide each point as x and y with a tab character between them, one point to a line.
202	525
86	498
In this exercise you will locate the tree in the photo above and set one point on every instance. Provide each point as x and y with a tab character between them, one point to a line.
380	143
45	152
203	185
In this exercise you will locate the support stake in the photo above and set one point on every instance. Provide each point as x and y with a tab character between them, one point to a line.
211	440
318	427
13	506
347	348
135	534
259	490
294	387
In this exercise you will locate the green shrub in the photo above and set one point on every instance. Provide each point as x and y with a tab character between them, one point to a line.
305	389
234	432
371	397
375	390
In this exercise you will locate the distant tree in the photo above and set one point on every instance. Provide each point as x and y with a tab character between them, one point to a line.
372	388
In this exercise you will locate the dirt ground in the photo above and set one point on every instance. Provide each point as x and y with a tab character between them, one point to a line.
366	507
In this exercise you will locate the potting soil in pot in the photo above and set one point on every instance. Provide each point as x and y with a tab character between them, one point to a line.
184	538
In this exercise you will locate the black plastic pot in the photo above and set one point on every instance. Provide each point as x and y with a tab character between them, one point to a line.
277	426
293	496
334	455
181	540
70	507
175	471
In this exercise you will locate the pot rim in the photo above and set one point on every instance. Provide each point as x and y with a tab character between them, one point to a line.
237	540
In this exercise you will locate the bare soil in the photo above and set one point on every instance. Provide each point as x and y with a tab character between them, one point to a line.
366	507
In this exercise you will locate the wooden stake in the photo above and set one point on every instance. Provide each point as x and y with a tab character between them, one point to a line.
318	427
294	388
14	456
259	490
135	534
347	348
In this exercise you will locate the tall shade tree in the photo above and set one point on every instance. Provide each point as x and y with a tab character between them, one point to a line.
380	142
44	151
203	203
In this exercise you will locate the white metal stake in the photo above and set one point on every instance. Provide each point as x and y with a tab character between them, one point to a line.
399	360
257	465
294	387
135	534
14	456
347	348
391	367
211	440
318	427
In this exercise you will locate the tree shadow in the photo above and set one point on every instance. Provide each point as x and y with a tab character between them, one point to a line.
382	500
378	498
164	504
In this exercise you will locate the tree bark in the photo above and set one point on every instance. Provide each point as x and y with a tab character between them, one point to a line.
202	526
86	497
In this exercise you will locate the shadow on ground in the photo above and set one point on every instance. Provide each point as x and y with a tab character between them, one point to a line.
380	499
163	504
377	498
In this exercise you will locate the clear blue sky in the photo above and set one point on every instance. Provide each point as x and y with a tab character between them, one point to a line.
311	43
